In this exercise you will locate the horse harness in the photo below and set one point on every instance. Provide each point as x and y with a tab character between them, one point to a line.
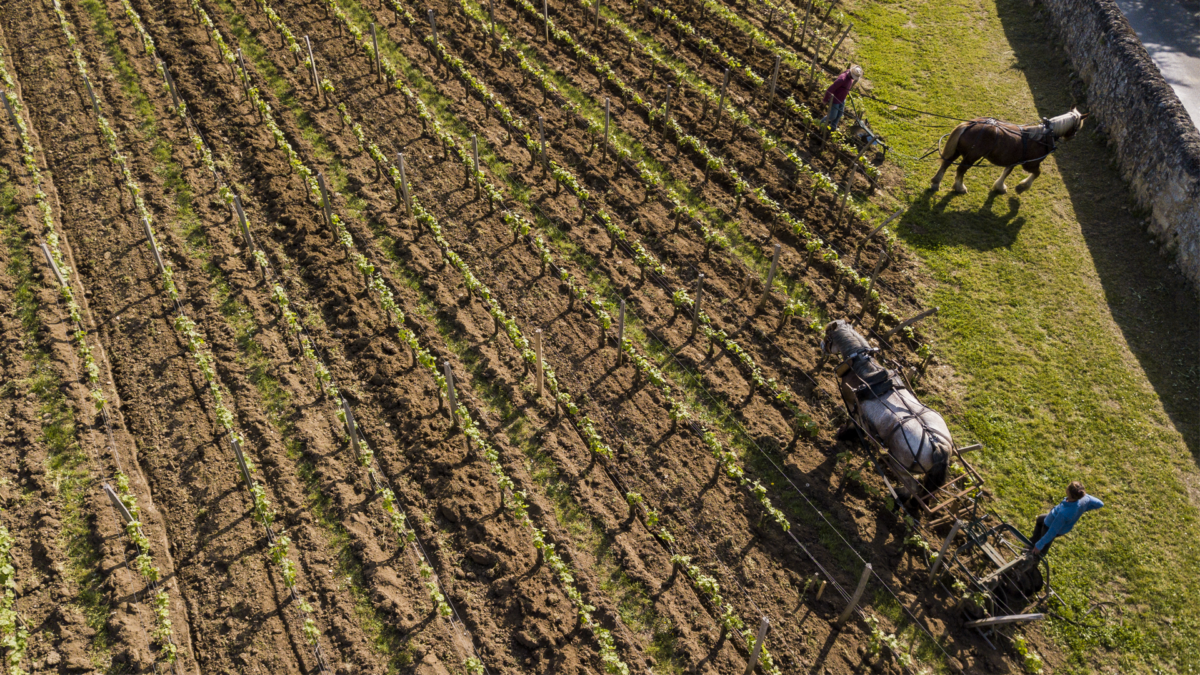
876	387
1043	135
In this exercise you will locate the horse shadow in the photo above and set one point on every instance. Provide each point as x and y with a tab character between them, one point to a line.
930	223
1153	305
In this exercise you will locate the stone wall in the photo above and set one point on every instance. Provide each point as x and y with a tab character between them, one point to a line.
1157	145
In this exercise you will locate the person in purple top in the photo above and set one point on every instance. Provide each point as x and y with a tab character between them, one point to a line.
836	95
1063	517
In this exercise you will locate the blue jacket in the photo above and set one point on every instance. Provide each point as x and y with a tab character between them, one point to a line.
1064	516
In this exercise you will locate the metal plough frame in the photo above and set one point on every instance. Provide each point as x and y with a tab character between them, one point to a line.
991	559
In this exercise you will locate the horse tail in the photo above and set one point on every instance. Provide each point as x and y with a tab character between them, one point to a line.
950	151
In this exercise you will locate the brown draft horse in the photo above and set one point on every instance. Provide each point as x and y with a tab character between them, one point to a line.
1007	145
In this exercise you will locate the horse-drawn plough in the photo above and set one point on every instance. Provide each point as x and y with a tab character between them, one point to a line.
983	560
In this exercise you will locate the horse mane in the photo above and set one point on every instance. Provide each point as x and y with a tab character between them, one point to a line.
1061	124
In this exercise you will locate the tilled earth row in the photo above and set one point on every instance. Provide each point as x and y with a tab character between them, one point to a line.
491	571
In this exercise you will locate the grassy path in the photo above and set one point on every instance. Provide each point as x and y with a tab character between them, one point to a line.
1072	343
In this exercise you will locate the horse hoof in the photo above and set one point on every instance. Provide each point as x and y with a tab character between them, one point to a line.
1003	189
960	190
1021	187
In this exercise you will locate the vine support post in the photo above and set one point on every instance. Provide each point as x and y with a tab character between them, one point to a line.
351	427
245	72
829	11
92	95
879	267
858	592
908	322
404	185
770	279
542	135
433	26
546	19
325	201
475	154
812	72
839	42
845	196
312	62
375	45
942	551
667	115
696	305
171	85
774	81
126	516
621	334
492	16
450	393
804	27
241	213
12	115
821	589
721	104
537	348
606	114
53	265
596	25
763	627
241	460
153	246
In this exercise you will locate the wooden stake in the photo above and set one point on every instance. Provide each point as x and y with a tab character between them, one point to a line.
312	62
804	29
450	393
237	454
375	44
821	589
351	427
153	246
908	322
53	265
12	115
433	25
862	586
858	249
537	346
325	201
606	103
770	279
621	334
404	185
758	643
696	304
245	72
839	43
492	16
475	152
774	81
721	104
546	17
667	117
596	27
542	133
92	95
942	551
237	205
171	85
126	516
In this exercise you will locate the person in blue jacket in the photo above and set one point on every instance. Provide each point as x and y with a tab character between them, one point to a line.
1063	517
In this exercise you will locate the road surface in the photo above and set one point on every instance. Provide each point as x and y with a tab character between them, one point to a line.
1170	31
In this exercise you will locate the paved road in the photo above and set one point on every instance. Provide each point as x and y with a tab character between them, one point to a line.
1170	31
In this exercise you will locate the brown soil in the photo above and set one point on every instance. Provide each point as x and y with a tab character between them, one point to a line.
516	612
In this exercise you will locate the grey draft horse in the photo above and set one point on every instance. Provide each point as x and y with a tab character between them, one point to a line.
916	437
1007	145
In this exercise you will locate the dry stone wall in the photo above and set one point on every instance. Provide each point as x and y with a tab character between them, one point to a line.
1157	145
